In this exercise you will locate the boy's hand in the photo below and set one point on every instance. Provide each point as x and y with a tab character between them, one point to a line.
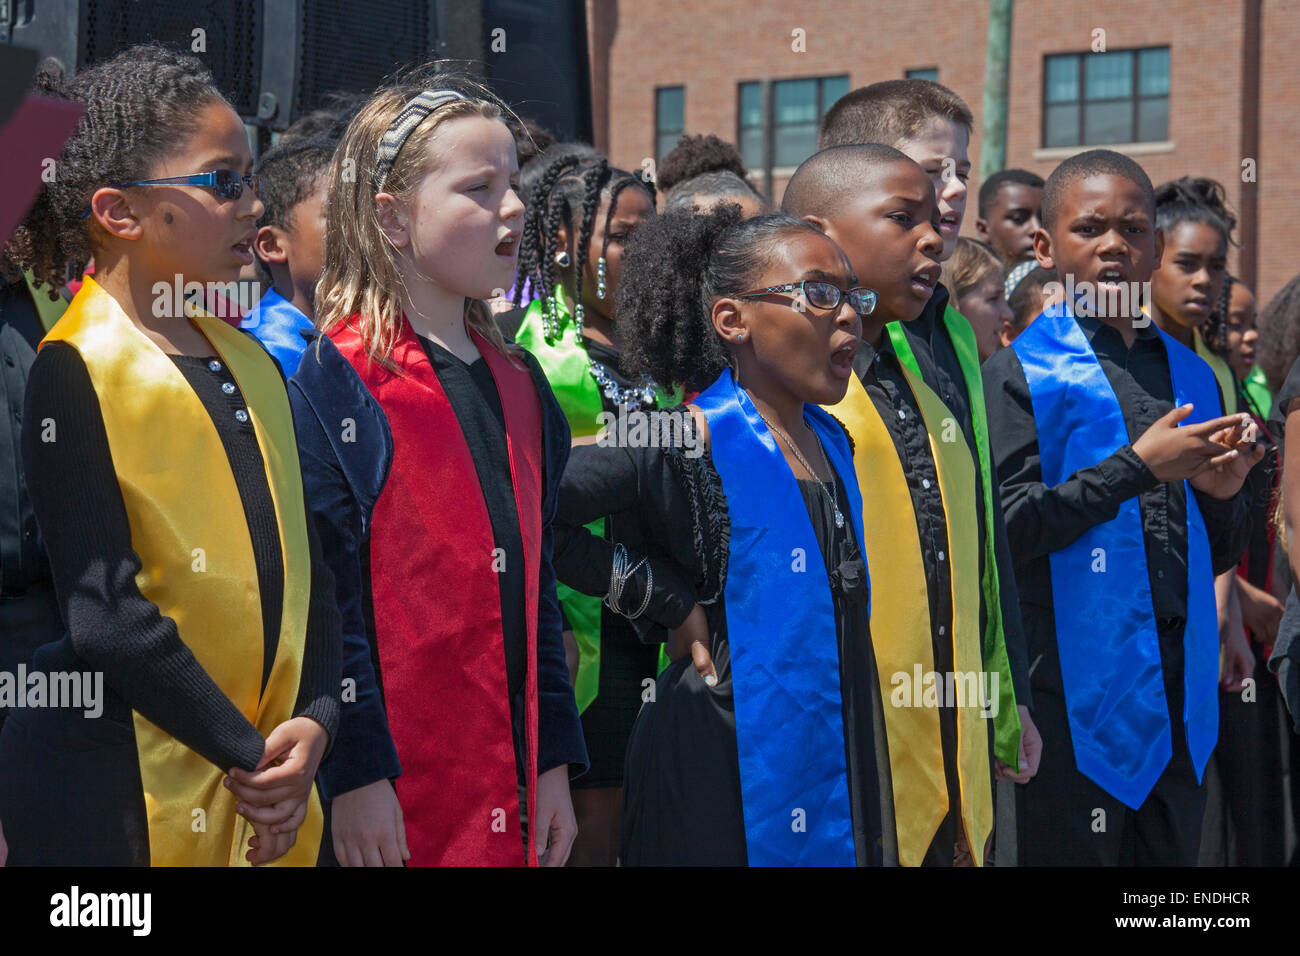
1260	612
1227	472
556	826
1174	454
692	638
368	829
1031	751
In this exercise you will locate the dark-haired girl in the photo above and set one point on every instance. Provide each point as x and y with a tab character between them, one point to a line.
758	746
162	466
581	211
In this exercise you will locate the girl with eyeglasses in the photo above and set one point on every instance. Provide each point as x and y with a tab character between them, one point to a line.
764	754
163	470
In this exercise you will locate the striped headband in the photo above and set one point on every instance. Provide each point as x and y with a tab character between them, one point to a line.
412	115
1017	275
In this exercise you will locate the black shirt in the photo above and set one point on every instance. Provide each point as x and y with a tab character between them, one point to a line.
1042	519
941	370
23	564
472	392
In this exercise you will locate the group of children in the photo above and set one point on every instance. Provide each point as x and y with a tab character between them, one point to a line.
922	572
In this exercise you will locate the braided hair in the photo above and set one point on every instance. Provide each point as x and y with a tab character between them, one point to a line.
675	267
1215	331
567	192
141	105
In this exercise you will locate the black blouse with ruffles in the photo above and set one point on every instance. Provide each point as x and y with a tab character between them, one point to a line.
682	800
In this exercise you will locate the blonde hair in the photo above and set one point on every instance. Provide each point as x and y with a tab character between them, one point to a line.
966	268
361	276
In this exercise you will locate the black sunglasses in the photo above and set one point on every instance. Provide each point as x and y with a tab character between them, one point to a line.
822	295
226	183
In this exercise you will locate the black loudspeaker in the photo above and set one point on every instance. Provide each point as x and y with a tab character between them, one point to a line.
543	70
279	59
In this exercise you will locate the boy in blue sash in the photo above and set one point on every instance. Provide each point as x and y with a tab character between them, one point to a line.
290	246
1134	516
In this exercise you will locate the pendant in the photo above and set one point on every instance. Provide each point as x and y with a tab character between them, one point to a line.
839	519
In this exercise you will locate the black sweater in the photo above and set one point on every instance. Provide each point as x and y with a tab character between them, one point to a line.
111	626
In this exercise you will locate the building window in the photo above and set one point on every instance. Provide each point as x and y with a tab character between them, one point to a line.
793	117
1097	99
926	73
670	118
750	133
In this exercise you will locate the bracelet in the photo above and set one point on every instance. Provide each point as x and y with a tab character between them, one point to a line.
619	574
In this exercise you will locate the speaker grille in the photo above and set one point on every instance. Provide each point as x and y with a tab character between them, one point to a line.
350	47
232	37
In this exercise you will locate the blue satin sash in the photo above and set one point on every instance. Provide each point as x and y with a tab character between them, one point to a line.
785	665
278	324
1105	624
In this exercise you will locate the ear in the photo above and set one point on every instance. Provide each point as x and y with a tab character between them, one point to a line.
1043	249
982	229
729	323
564	241
112	210
1160	247
817	222
269	245
393	221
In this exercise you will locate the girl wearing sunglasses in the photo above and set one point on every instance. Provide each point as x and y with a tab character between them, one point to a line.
162	465
766	754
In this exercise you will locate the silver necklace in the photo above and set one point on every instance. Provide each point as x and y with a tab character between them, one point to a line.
632	395
832	496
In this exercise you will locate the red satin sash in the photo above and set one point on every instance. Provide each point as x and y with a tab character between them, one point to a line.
437	609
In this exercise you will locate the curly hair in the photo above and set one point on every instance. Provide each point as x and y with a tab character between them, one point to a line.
141	106
567	192
1279	334
696	155
1194	199
675	268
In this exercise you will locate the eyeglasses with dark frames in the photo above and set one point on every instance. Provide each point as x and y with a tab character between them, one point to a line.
226	183
821	295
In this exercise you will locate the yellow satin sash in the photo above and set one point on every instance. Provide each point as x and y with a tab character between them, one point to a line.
1222	371
196	557
900	618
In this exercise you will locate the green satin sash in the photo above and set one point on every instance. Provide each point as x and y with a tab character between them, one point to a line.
1006	725
568	371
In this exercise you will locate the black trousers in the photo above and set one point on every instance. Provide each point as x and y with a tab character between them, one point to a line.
1064	819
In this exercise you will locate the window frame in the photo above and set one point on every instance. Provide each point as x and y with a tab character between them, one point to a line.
1134	98
654	150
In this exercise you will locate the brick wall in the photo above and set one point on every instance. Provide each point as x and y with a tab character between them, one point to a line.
709	46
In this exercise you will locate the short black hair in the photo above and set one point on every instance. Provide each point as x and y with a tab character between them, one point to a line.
990	187
287	174
722	184
1092	162
891	112
820	183
1022	295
